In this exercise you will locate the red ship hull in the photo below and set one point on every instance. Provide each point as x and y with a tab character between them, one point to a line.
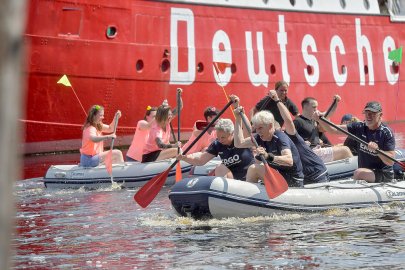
127	55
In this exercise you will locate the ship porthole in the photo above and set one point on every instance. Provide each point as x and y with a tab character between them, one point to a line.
343	3
310	70
200	67
165	65
310	3
233	68
395	68
273	69
366	4
343	69
139	65
111	31
292	2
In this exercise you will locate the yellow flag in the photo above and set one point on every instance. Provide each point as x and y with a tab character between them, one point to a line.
64	80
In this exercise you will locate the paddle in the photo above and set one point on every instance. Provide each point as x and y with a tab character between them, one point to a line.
402	164
274	182
108	158
149	191
178	166
328	111
331	107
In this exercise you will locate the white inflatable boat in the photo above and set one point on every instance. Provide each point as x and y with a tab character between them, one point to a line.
338	169
218	197
128	175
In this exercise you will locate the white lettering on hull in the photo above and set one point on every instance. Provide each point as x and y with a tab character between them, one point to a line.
224	56
176	76
337	43
389	43
261	77
282	41
309	41
362	42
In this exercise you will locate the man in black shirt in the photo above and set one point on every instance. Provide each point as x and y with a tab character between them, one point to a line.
308	128
267	103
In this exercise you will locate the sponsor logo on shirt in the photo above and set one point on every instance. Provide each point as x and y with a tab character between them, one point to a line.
235	159
365	149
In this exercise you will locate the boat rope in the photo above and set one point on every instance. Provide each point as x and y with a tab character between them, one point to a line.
63	124
365	185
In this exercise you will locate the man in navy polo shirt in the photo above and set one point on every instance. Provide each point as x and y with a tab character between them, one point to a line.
373	167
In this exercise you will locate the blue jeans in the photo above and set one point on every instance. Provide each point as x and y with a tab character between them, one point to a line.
89	161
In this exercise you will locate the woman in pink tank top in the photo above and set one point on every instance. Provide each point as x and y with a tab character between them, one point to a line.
158	144
141	135
208	137
92	150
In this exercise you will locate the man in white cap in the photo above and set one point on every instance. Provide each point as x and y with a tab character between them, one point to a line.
373	167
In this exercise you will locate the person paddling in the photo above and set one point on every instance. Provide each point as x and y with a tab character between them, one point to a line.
210	136
158	144
309	130
314	168
235	161
141	135
372	165
268	104
277	148
92	151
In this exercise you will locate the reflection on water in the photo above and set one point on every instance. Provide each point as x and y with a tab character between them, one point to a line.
79	229
105	229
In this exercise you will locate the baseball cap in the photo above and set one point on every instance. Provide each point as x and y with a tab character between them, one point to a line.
373	106
346	117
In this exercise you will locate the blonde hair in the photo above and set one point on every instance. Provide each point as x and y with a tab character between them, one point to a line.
225	125
263	118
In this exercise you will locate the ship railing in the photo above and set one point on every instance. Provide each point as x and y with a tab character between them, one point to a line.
396	9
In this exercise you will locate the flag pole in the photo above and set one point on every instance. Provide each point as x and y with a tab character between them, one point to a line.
65	81
78	100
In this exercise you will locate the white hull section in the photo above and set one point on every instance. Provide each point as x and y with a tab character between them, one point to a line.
219	197
128	175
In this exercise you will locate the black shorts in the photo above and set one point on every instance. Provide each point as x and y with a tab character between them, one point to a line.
383	175
324	177
152	156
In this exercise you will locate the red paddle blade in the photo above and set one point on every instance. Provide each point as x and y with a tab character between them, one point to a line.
178	172
150	190
274	182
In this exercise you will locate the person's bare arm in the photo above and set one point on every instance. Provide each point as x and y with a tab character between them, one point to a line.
285	113
196	159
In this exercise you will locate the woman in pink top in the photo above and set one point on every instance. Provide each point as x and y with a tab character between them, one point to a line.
158	145
92	150
141	136
210	136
